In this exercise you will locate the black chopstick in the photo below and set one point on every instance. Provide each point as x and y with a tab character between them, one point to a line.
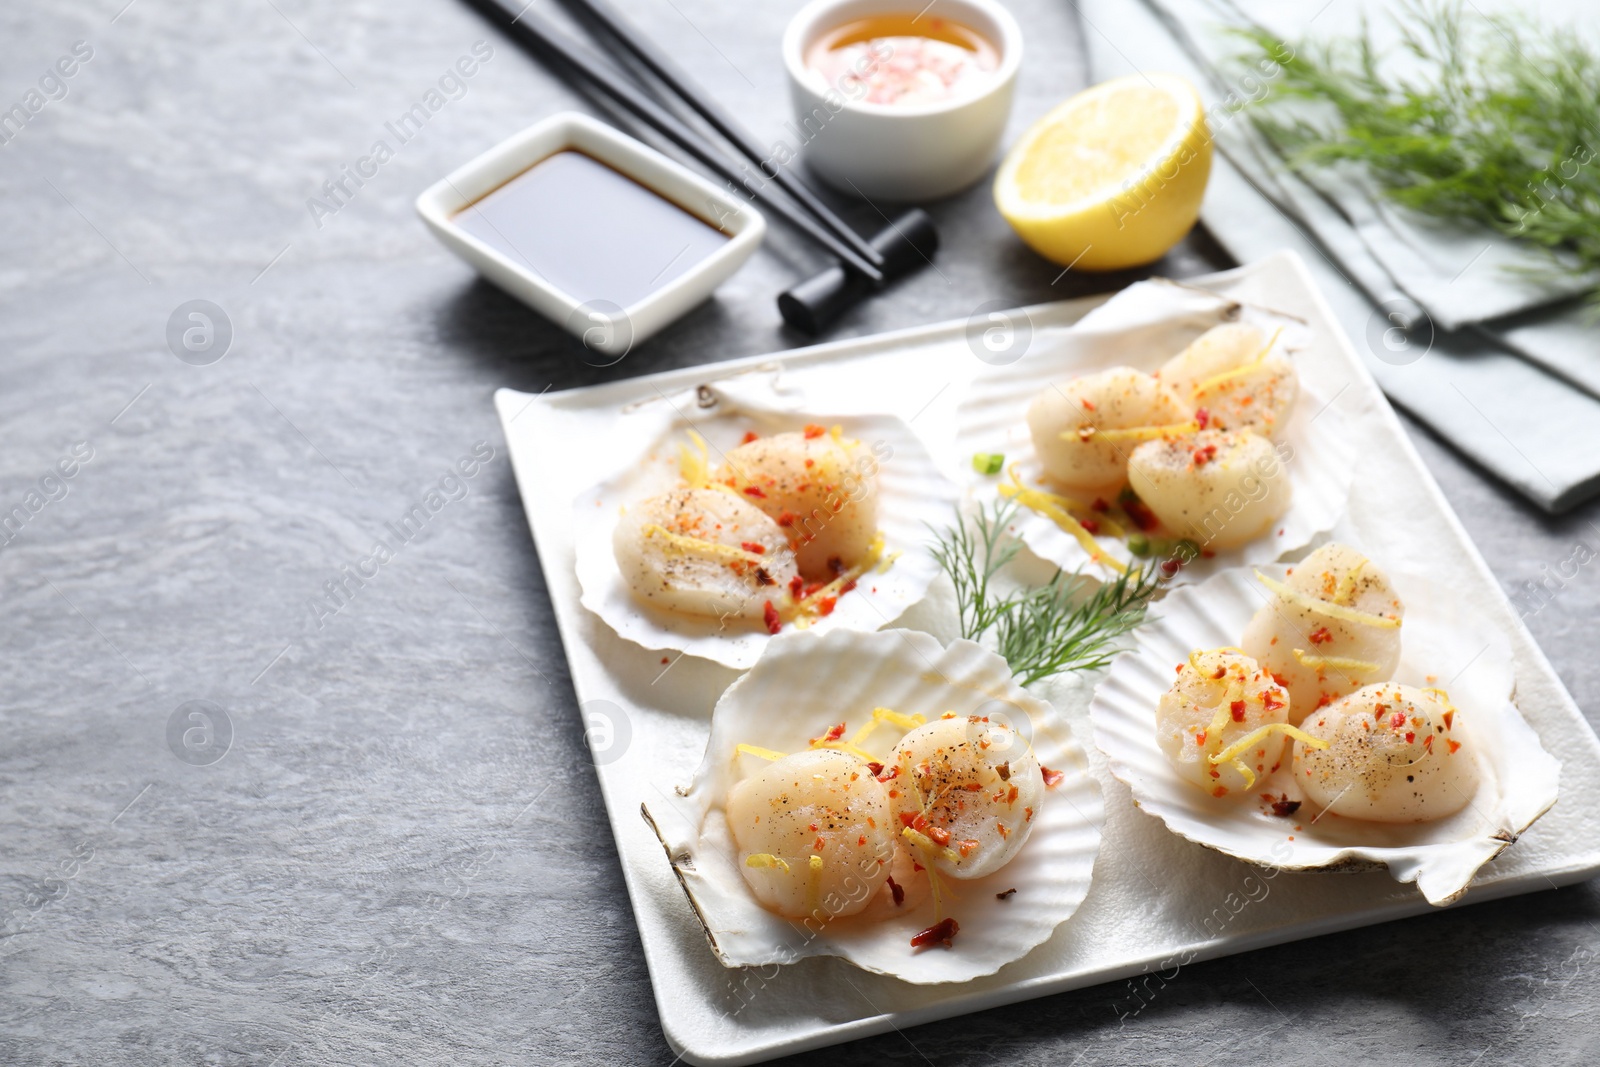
601	12
575	60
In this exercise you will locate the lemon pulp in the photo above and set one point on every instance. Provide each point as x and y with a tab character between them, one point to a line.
1111	178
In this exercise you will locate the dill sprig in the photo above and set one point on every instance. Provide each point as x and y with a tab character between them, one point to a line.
1496	125
972	556
1043	630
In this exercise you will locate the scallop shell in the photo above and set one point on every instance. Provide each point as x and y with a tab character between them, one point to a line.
805	682
1442	643
1142	327
913	495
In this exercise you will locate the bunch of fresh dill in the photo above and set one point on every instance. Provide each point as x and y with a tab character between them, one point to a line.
1047	629
1496	124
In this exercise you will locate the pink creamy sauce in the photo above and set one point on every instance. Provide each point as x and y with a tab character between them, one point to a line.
901	60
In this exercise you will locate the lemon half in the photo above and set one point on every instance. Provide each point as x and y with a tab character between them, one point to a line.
1111	178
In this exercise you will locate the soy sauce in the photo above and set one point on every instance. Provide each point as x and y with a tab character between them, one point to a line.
590	231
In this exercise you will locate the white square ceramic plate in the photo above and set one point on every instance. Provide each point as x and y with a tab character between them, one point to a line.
1157	900
604	327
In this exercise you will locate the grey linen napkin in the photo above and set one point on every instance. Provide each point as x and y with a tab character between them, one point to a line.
1475	383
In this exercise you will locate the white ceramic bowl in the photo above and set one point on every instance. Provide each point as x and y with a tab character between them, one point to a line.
894	151
603	327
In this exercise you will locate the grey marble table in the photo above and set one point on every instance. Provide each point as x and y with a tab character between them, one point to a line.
401	858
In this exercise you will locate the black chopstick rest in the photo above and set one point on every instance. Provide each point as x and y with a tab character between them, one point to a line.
813	305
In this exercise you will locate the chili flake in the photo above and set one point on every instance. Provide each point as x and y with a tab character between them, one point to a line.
940	933
1142	517
835	732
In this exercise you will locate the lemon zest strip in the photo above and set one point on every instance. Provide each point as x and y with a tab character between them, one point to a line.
1131	433
1255	736
879	717
905	722
866	730
1323	607
757	750
811	603
694	465
843	746
814	885
924	842
1053	506
1231	753
766	859
1224	713
1338	663
697	546
1347	585
1239	372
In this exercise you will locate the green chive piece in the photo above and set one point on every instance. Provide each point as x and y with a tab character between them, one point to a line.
1139	545
988	462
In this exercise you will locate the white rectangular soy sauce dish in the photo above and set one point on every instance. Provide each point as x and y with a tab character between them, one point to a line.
1155	899
659	268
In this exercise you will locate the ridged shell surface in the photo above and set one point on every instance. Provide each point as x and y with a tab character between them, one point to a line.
806	682
1442	643
1142	327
